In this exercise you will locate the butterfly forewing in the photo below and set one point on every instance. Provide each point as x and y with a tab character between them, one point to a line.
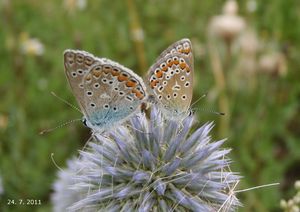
77	65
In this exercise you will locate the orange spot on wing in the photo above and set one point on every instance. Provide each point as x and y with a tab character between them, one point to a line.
122	78
170	64
137	93
96	73
153	83
115	72
159	74
130	83
187	69
176	62
182	65
165	68
88	77
187	51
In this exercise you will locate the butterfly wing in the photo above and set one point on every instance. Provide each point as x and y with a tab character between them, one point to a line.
112	92
170	79
77	64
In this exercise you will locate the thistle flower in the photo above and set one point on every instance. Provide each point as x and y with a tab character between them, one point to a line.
31	46
155	165
63	196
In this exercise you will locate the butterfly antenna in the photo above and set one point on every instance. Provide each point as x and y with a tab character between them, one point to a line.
201	97
210	111
66	102
59	126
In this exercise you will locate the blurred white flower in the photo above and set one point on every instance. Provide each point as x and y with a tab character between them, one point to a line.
138	34
31	46
273	63
228	25
292	205
230	7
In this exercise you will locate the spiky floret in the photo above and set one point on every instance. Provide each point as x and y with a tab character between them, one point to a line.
155	165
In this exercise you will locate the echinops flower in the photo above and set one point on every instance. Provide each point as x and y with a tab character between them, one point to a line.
154	164
63	196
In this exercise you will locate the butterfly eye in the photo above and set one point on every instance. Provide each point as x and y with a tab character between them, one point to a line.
84	121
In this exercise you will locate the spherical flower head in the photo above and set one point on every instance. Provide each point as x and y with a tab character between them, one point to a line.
63	195
155	165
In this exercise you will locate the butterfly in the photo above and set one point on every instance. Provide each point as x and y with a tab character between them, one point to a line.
106	91
170	80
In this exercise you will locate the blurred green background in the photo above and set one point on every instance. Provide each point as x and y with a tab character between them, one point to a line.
246	60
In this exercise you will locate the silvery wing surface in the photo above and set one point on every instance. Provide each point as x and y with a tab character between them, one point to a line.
170	79
107	92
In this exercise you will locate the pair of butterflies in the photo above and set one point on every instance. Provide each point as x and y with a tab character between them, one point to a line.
108	92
